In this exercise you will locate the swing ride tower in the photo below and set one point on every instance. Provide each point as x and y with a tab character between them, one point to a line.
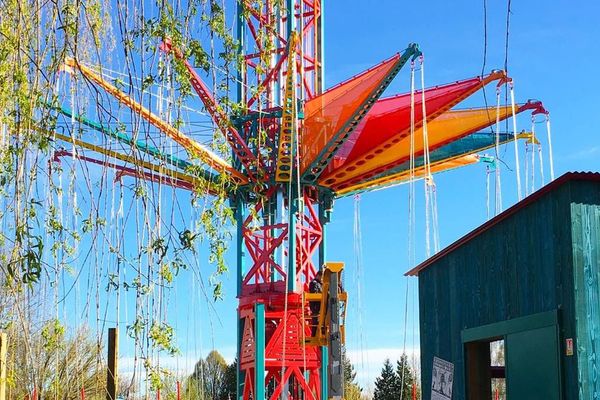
295	148
280	240
281	219
310	136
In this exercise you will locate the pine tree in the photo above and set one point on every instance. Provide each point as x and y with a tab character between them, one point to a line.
352	391
228	389
386	386
349	372
405	379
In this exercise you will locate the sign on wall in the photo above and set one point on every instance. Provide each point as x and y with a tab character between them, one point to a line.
441	379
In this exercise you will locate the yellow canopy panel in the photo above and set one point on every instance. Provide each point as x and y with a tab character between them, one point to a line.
404	176
446	128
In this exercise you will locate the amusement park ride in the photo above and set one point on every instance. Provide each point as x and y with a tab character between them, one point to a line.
296	147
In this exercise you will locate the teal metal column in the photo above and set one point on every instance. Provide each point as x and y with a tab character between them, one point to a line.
321	36
322	257
241	37
324	372
259	349
290	16
323	222
239	219
293	196
291	270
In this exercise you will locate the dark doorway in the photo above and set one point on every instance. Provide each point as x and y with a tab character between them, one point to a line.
485	369
498	383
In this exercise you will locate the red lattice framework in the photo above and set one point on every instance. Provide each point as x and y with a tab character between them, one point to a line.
265	281
266	50
289	366
268	247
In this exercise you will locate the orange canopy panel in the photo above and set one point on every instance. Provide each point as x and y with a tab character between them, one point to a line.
334	113
404	176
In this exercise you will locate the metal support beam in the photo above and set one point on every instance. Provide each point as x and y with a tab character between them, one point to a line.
240	375
292	248
320	50
324	371
112	377
259	349
192	146
322	246
138	144
239	218
336	370
241	37
290	16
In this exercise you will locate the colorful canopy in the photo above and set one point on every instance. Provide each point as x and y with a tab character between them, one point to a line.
350	140
440	160
330	117
443	129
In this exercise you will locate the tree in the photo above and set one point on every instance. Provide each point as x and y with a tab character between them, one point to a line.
405	378
352	391
229	382
208	379
58	357
386	386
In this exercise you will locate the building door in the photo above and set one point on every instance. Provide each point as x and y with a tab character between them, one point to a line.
532	370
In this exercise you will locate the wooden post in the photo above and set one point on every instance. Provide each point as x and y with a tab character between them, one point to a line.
3	350
112	373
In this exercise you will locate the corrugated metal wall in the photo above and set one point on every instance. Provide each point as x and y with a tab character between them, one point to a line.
518	267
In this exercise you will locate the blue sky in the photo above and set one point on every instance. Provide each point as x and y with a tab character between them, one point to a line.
553	56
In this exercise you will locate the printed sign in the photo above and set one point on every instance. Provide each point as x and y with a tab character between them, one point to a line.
569	346
441	379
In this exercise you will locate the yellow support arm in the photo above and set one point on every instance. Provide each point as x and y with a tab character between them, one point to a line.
125	158
288	132
205	154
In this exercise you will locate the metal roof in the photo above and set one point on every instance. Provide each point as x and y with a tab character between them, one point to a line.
569	176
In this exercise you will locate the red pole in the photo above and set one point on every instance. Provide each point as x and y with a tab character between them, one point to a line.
157	394
497	395
414	391
178	390
82	393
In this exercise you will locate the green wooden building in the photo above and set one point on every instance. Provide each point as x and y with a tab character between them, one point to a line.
528	279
